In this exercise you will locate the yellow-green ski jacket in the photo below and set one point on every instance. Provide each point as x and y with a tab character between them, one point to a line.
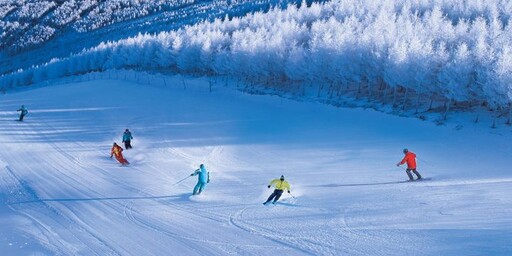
280	185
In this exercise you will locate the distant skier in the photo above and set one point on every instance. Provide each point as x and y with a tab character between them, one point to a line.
23	113
410	159
117	152
280	185
127	138
202	180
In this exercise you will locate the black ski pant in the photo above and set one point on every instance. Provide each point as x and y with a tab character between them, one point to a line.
408	171
276	195
127	144
21	117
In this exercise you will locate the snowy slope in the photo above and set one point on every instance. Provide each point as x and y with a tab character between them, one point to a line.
62	194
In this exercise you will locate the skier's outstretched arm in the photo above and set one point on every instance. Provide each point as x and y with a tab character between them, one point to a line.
403	161
272	182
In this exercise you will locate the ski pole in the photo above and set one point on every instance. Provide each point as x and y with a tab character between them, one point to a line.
291	195
181	180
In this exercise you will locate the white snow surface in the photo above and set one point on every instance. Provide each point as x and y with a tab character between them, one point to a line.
61	194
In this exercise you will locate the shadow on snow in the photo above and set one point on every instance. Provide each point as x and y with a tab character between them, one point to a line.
360	184
179	197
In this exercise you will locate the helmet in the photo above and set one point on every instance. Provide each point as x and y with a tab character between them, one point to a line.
406	150
282	177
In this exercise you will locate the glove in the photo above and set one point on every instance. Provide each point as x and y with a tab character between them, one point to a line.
288	191
268	186
192	174
397	164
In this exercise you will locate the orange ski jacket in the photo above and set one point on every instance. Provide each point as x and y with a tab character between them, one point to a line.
410	159
116	150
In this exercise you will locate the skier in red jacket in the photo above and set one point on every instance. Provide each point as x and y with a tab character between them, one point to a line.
116	151
410	159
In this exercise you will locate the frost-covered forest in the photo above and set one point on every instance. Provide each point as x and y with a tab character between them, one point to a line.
34	32
28	24
405	53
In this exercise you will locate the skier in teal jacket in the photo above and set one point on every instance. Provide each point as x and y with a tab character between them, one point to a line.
203	179
23	113
127	139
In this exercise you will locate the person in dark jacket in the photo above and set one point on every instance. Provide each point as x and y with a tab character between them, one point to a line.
23	113
127	139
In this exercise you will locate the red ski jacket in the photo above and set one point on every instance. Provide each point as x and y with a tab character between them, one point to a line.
116	150
410	159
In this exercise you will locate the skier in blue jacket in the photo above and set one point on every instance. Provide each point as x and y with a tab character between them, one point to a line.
127	138
23	113
203	179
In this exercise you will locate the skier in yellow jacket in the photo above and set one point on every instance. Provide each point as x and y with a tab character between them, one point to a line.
280	185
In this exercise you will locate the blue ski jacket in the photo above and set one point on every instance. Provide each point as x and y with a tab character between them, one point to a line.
203	174
127	136
23	110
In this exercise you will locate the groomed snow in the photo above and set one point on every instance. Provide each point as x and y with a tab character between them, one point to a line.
61	194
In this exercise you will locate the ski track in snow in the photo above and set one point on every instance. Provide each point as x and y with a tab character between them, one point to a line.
67	218
58	162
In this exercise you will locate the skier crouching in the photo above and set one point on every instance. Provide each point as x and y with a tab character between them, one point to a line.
280	185
202	179
116	151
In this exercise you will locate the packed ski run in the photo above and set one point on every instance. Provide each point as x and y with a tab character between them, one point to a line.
341	192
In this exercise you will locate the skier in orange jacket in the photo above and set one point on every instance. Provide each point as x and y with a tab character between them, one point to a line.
116	151
410	159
